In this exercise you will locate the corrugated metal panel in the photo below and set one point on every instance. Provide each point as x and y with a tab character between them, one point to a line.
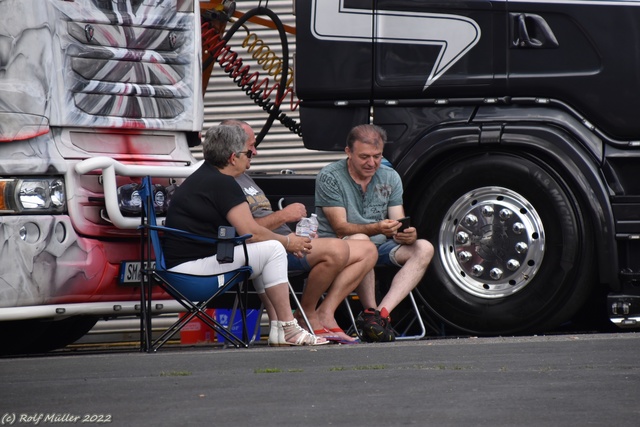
281	149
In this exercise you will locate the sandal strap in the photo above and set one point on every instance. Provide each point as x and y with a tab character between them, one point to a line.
293	330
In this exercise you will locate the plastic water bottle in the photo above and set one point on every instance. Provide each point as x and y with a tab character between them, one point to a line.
303	228
313	219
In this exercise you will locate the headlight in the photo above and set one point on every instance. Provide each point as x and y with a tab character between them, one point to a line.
129	199
130	202
33	195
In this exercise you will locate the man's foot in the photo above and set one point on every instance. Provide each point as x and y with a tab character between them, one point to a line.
374	326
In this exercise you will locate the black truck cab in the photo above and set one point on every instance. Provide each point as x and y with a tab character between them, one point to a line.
514	125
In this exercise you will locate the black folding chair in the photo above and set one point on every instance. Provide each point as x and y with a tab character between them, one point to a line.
193	292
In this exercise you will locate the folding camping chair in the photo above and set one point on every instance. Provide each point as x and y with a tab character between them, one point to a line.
195	293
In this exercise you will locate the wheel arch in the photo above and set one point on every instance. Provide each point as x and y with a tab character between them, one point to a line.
555	146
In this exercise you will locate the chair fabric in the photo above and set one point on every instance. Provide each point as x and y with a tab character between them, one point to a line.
193	292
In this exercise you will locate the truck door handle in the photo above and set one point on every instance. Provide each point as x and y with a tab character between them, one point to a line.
532	31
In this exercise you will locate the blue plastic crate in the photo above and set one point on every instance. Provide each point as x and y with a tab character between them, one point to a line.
223	316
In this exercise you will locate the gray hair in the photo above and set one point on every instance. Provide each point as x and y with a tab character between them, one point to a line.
222	141
234	122
367	134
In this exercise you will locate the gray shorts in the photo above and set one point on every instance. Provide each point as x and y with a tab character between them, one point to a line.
387	253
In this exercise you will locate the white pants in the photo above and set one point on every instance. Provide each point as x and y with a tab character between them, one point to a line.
267	259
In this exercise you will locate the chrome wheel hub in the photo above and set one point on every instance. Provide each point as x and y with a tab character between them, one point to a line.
492	242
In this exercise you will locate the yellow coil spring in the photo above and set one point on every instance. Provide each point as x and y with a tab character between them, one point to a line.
265	56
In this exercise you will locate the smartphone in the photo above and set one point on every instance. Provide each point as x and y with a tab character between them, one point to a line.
406	223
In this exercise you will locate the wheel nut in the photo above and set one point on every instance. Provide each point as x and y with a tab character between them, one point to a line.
495	273
477	270
513	264
505	214
462	238
518	227
470	220
464	256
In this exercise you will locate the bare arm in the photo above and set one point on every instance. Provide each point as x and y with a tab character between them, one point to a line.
240	217
337	217
291	213
396	212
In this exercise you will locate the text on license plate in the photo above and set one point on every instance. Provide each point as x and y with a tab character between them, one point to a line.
130	271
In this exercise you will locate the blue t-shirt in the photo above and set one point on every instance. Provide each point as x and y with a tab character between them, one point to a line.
336	188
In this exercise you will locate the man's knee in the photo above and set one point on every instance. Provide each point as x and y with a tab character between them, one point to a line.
421	251
358	237
363	251
424	249
335	254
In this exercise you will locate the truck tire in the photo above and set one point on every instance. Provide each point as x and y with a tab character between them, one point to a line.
513	249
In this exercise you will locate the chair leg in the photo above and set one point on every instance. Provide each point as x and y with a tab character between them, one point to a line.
222	330
144	322
146	314
256	327
199	312
304	315
416	313
255	333
353	327
240	304
195	310
418	318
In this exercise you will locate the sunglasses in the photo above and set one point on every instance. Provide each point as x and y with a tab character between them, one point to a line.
248	153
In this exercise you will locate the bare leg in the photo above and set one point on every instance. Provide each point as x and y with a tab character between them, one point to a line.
271	312
278	295
414	260
327	259
362	259
366	290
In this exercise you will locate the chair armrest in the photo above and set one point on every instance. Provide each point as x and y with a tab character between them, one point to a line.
235	240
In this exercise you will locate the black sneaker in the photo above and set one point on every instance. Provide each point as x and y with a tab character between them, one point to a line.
374	327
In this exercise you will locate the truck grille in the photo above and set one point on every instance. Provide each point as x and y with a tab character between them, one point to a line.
130	61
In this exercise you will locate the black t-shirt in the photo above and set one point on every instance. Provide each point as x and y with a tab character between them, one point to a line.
199	205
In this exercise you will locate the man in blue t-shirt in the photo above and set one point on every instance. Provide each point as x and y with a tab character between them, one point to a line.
358	198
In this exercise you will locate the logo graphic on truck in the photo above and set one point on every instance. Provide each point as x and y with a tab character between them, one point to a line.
455	35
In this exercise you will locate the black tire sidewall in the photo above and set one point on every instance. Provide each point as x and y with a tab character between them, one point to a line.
564	278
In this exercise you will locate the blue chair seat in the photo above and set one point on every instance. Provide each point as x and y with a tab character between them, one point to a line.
201	288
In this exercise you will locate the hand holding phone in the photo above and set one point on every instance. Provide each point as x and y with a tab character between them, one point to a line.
406	223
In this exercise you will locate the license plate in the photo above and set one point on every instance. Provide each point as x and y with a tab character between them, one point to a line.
130	271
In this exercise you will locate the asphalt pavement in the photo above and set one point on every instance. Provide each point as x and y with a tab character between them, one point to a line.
563	380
